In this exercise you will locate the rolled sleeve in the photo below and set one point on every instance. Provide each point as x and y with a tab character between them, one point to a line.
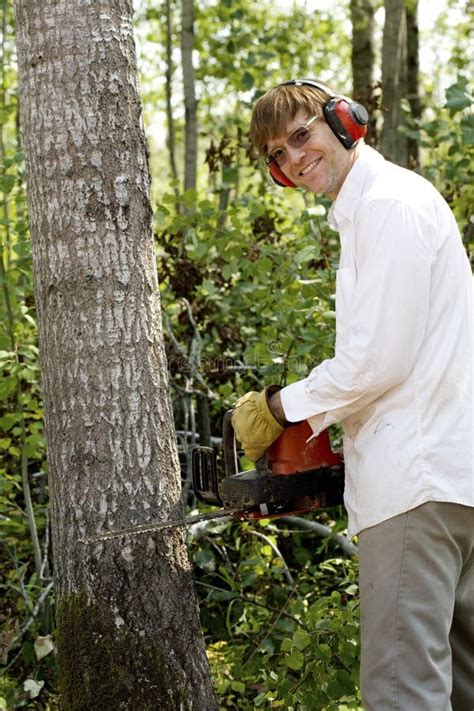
296	402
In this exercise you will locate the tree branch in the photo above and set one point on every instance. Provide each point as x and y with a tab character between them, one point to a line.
323	531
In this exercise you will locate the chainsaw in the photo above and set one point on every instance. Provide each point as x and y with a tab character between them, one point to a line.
298	473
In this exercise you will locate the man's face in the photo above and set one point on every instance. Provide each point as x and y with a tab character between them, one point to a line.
321	164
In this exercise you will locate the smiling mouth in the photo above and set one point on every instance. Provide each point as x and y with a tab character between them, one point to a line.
309	167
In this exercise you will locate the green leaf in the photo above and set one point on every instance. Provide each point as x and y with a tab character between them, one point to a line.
248	81
222	595
7	356
264	266
9	420
32	688
301	639
457	97
351	590
324	652
238	686
295	660
189	198
33	445
7	182
306	254
160	220
268	647
43	646
7	386
228	270
205	560
467	130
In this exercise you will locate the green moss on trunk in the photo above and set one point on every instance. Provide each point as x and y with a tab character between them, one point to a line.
105	668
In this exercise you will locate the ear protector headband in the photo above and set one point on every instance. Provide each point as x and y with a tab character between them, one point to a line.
346	118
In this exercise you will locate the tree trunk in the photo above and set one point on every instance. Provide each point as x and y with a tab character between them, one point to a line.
393	143
362	59
190	103
128	629
413	77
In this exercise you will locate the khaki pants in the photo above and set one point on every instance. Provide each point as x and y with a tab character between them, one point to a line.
417	610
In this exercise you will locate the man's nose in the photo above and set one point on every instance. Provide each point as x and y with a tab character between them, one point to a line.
295	154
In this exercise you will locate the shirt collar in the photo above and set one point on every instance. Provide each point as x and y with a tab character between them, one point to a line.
368	163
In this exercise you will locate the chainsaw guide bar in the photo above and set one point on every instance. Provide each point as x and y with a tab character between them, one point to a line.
159	526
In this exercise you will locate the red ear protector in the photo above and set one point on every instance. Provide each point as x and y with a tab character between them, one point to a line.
347	120
278	175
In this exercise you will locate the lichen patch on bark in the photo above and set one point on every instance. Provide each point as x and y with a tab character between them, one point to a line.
107	666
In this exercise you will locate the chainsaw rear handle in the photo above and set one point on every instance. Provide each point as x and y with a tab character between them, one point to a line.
204	465
229	446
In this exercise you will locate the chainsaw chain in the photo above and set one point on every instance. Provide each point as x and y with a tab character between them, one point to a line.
152	527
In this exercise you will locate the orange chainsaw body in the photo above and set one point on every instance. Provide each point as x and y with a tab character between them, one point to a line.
298	450
298	472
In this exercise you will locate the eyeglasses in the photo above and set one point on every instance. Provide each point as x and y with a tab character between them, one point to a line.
296	139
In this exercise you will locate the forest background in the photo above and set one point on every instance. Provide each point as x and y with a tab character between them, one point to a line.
247	288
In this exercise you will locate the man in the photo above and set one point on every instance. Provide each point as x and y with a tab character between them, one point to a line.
400	384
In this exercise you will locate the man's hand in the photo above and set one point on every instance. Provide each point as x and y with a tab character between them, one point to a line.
254	424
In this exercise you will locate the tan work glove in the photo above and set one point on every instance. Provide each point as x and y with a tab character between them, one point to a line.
254	425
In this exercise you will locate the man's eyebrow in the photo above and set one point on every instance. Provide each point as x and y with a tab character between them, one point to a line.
276	147
279	141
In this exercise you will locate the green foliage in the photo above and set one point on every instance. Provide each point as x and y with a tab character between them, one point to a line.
242	44
281	618
448	143
25	642
260	286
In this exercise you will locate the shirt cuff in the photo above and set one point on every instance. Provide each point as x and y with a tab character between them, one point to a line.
296	403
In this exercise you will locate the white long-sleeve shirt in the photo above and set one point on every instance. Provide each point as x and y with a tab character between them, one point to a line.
401	377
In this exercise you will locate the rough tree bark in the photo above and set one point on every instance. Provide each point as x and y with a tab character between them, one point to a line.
190	103
128	629
393	143
362	60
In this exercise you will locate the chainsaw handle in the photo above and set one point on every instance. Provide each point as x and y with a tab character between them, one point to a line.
229	446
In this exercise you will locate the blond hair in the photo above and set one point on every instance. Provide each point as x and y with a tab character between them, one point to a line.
278	107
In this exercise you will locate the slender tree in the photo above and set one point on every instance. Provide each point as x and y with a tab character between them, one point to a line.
413	77
190	103
128	630
171	137
362	60
393	143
